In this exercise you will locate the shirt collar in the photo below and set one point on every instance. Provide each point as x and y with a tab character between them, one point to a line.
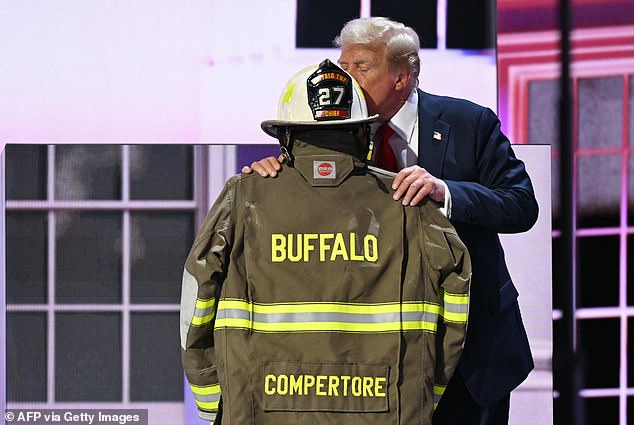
404	121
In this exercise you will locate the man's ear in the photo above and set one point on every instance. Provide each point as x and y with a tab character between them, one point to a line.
403	78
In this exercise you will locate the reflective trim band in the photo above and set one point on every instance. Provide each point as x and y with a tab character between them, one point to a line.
207	398
207	416
438	392
288	94
204	312
328	317
456	307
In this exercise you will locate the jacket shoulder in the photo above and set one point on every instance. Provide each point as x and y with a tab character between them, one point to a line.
451	106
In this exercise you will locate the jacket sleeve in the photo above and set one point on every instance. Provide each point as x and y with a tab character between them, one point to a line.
203	276
501	198
449	268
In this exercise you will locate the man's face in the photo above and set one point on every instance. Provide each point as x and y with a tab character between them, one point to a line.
373	73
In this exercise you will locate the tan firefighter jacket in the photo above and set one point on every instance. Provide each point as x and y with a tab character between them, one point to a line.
315	298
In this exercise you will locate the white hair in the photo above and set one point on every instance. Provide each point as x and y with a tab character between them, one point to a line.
401	41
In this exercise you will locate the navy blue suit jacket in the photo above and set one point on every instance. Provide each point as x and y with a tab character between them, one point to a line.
491	193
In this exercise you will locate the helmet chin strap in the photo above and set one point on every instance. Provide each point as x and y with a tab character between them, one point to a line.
286	147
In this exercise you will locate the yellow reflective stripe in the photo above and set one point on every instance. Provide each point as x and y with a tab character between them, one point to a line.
202	304
327	308
417	307
456	298
233	323
199	321
419	326
207	397
200	318
206	390
455	317
323	307
438	392
229	316
325	326
455	307
208	405
343	308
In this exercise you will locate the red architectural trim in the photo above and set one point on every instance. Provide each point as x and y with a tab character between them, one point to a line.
527	57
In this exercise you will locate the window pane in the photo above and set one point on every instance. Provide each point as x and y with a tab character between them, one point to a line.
470	24
543	128
631	110
160	244
600	112
602	410
27	257
555	170
599	190
543	112
26	356
630	276
156	372
246	154
87	357
88	257
87	172
26	171
592	252
161	172
630	195
420	15
600	344
630	355
319	22
559	288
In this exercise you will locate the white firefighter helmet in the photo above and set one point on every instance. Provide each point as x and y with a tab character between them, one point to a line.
321	94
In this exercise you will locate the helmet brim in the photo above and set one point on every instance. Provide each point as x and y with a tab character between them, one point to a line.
271	127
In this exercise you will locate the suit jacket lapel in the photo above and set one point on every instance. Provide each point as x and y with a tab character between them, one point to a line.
433	136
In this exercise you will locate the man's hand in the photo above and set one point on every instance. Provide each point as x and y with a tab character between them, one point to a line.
268	166
414	183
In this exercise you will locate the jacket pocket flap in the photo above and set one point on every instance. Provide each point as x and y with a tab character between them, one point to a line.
507	295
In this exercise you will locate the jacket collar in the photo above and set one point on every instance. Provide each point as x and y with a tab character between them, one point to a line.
433	135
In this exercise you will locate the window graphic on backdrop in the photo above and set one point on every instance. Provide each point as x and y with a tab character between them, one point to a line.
470	24
96	237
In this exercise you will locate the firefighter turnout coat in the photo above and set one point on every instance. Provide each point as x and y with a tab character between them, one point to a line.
315	298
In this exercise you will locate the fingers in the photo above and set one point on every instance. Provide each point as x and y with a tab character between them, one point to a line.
414	183
416	191
268	166
405	172
418	196
407	182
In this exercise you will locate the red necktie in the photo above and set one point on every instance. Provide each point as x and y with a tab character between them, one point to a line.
384	157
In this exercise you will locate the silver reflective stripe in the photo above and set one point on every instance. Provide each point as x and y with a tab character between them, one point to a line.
438	392
202	312
207	416
327	317
456	308
188	304
205	310
232	313
437	398
207	398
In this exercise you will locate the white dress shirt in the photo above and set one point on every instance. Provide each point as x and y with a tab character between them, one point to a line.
404	140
